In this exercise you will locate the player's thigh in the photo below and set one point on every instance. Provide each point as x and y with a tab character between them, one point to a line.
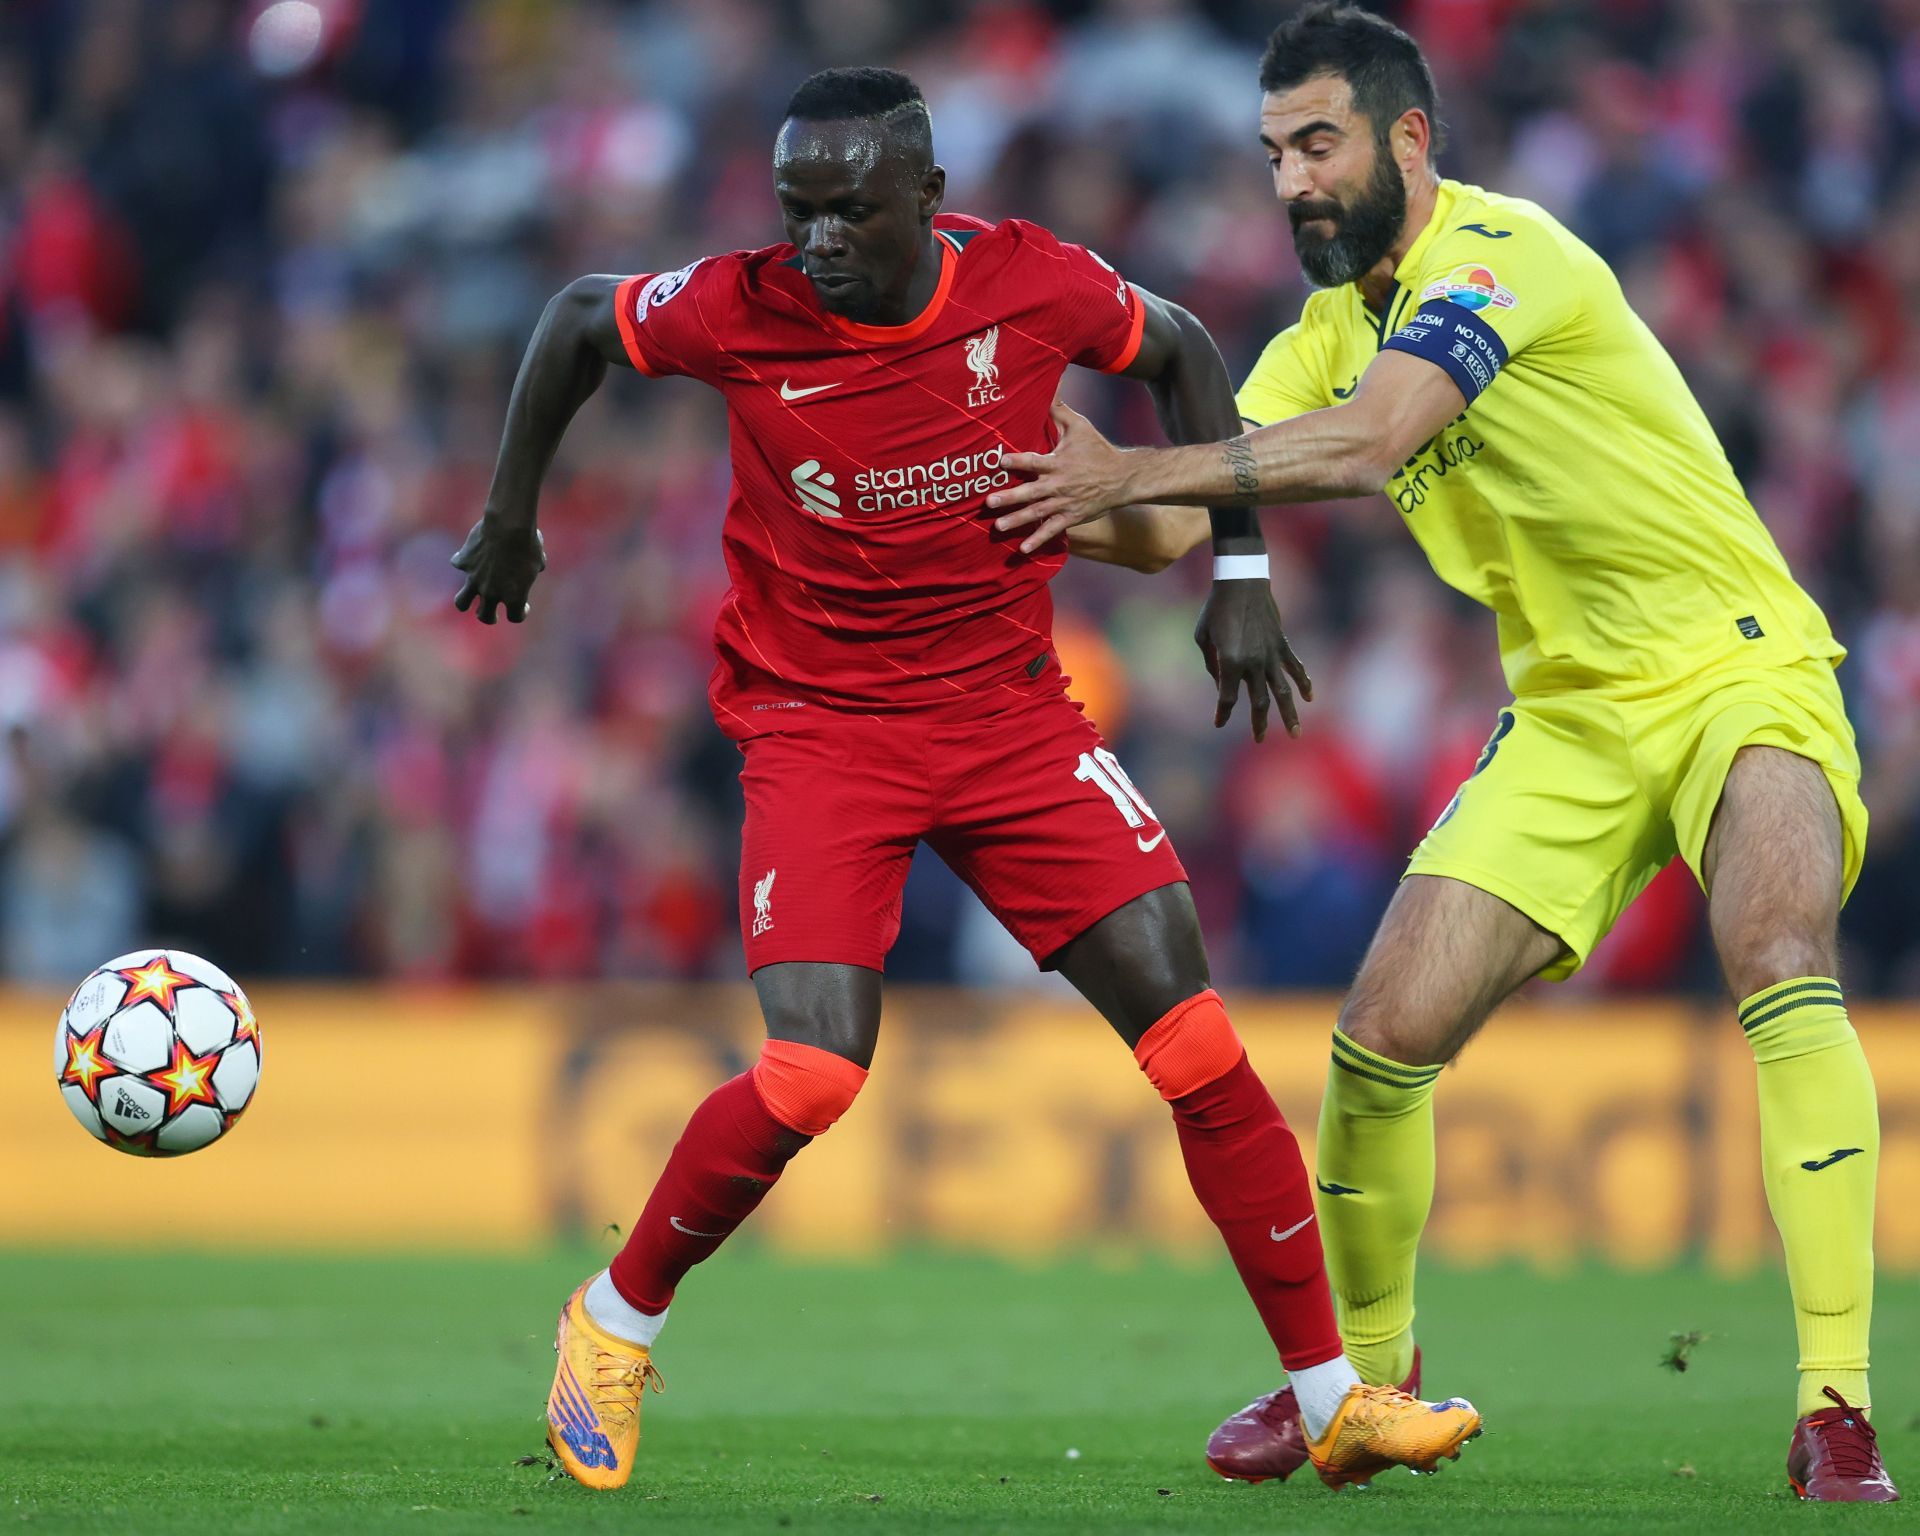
1137	964
1794	709
832	818
1554	823
1444	957
1767	812
831	1007
1037	815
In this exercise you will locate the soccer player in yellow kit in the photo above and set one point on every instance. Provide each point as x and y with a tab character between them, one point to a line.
1673	689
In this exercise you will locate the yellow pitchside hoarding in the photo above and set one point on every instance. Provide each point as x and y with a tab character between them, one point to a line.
392	1118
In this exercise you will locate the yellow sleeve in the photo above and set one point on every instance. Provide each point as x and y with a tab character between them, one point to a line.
1286	381
1486	293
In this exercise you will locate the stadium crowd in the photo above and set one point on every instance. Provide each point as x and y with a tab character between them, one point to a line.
266	271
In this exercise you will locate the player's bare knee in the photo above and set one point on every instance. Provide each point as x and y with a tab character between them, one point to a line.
1139	962
1766	961
1399	1033
1165	981
829	1007
824	1029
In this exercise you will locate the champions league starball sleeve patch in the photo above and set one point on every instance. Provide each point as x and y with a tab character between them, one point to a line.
1449	334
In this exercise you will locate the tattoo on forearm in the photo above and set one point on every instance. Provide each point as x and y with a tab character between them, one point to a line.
1240	461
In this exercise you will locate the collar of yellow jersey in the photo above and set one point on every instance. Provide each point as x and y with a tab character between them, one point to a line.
1410	265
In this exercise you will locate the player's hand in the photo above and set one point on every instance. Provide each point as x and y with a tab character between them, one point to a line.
1084	476
501	563
1239	634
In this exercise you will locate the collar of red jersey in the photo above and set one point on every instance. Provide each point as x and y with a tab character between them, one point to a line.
949	251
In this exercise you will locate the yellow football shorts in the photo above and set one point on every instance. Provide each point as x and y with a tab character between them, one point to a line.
1580	799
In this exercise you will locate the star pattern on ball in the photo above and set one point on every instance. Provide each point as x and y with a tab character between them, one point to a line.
188	1079
245	1026
86	1064
135	1146
156	980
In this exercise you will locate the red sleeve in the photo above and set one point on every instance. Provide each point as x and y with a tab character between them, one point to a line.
666	319
1100	316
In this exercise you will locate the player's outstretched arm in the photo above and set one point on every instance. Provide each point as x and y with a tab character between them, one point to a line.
1239	632
576	338
1180	365
1346	450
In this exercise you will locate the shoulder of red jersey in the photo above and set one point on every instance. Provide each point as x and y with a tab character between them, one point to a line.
669	320
1096	313
1000	234
1022	238
725	271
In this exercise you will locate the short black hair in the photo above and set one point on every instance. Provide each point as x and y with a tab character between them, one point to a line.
837	95
1383	67
863	92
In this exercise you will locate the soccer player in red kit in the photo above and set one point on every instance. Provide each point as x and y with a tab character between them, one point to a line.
886	668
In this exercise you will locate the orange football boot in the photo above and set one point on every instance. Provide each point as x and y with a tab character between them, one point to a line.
1265	1439
1375	1428
593	1411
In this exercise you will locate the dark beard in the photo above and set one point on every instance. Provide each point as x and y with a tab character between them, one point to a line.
1366	231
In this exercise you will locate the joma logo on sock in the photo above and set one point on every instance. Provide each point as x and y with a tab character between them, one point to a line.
1831	1158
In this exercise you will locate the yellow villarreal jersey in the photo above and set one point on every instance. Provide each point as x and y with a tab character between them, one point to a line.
1582	495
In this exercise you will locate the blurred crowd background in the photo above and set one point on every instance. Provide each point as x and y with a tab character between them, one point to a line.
266	271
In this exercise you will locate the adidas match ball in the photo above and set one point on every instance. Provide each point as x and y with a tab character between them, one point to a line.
157	1053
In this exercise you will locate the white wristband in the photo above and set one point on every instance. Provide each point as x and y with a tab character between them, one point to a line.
1240	568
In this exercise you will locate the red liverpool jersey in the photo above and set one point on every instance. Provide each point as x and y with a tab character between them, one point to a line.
867	575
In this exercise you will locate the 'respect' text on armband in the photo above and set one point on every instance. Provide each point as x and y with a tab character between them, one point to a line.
1452	337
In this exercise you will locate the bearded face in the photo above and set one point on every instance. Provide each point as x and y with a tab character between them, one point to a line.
1341	235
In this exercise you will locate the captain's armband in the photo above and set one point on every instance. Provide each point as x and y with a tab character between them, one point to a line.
1452	337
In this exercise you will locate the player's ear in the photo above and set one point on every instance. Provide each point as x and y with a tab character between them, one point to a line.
1412	137
933	192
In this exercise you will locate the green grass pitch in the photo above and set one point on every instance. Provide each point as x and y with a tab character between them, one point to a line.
184	1393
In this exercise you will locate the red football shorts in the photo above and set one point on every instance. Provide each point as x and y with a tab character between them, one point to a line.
1028	807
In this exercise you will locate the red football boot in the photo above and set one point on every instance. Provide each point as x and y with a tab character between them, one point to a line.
1835	1458
1264	1439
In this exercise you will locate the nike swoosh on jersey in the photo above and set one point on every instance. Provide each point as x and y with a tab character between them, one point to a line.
680	1226
1280	1237
788	392
1147	845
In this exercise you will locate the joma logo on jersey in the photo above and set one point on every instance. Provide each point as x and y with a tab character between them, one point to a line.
986	372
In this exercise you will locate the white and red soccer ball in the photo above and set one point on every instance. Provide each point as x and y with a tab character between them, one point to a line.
157	1053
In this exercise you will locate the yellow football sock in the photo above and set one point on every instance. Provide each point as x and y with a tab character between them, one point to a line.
1820	1151
1373	1192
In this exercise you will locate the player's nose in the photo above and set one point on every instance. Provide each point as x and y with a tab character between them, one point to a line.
1294	180
825	238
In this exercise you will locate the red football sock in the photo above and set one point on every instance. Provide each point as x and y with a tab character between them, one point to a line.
1245	1166
731	1153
